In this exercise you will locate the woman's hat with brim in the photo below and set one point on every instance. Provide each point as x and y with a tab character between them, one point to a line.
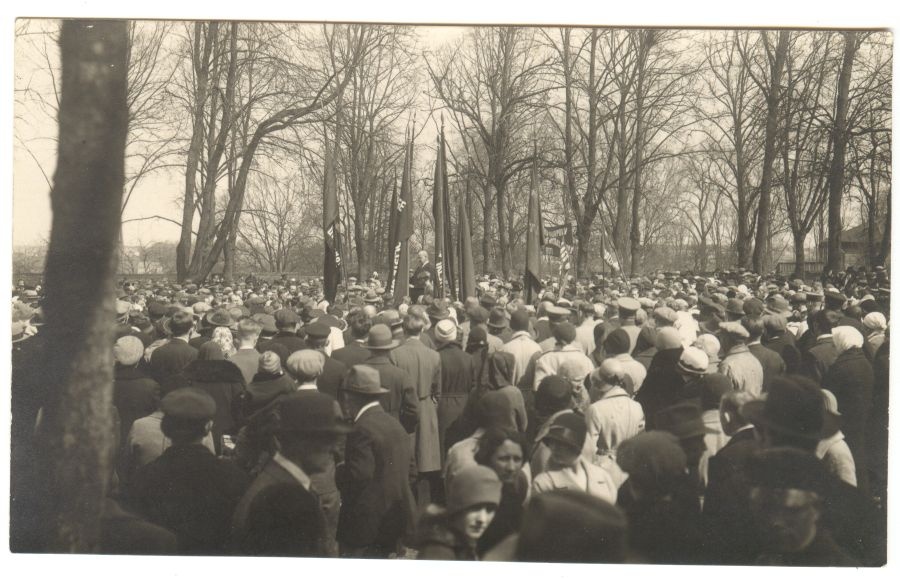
794	406
473	486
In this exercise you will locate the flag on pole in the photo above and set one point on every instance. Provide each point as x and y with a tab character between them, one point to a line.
466	262
401	231
534	241
330	226
440	235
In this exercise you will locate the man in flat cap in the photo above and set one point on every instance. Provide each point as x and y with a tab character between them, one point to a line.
738	364
377	504
318	336
286	322
281	513
187	489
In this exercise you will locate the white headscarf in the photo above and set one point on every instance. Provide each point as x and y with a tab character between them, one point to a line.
875	321
846	337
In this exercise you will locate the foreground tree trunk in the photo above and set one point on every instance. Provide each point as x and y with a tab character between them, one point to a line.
77	434
836	174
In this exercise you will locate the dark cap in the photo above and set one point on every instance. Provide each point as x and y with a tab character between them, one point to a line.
363	379
787	468
564	332
318	330
286	317
684	420
794	406
753	308
569	428
497	318
267	322
188	403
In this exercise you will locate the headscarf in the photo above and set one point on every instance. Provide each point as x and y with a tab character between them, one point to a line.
223	337
846	337
875	321
500	370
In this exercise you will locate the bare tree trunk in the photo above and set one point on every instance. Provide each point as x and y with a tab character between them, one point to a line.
799	254
885	248
773	99
78	428
836	174
487	229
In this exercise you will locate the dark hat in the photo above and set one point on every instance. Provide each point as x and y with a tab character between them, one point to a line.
554	393
617	342
437	311
564	332
478	315
363	379
472	486
569	428
477	335
571	526
381	338
713	387
390	318
267	321
487	301
157	309
653	457
286	317
371	297
834	299
684	420
188	403
497	318
753	308
318	330
777	305
735	307
519	320
310	412
794	406
787	468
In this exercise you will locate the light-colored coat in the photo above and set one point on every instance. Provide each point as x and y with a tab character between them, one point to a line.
743	369
524	349
612	420
587	477
837	457
424	367
550	362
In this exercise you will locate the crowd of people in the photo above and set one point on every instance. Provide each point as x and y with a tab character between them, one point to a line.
672	418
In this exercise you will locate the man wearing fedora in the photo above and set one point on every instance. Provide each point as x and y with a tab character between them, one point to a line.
280	514
377	505
399	399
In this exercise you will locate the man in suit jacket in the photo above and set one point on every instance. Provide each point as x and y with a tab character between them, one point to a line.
423	278
169	360
286	322
377	505
318	338
725	510
280	513
399	400
355	351
424	367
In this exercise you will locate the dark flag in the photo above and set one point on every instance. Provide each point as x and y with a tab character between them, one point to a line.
535	240
466	263
440	224
401	231
330	227
449	262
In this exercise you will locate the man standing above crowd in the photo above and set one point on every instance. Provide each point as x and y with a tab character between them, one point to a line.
424	278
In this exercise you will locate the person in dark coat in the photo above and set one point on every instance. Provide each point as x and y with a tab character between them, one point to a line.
188	490
788	490
225	383
355	351
269	383
400	400
782	342
286	321
662	509
169	360
377	503
818	358
663	383
794	415
456	379
281	514
135	394
850	379
333	373
877	436
772	363
726	514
